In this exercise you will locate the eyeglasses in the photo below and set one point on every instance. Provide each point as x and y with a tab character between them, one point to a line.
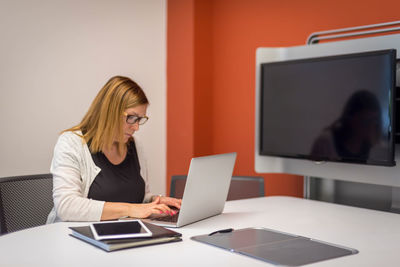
132	119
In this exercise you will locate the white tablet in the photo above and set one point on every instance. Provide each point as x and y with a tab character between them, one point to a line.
119	229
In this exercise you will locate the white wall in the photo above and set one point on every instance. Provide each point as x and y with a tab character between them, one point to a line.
56	55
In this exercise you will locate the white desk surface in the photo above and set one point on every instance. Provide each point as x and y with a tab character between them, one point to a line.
375	234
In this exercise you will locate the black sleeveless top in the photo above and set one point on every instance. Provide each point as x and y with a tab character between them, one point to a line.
118	183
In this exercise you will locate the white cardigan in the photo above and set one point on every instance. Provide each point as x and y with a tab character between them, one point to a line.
73	172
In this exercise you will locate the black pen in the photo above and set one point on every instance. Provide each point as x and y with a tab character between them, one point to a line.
228	230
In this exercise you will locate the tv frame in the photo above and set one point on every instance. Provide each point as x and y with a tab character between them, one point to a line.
392	162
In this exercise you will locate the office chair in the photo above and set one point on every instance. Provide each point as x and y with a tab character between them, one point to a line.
25	201
241	187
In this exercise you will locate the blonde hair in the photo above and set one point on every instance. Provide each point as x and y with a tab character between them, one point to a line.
103	122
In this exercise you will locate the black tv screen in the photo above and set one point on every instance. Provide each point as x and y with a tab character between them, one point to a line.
336	108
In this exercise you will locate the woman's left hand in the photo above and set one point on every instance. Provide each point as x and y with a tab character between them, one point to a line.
170	201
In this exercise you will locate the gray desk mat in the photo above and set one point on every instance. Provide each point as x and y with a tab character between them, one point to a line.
275	247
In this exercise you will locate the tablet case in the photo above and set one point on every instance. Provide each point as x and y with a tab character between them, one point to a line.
275	247
160	235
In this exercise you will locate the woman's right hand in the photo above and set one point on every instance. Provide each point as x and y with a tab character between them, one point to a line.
145	210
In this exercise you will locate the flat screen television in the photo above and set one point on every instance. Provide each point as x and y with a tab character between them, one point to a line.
336	108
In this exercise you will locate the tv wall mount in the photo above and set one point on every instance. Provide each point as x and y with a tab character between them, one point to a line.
364	31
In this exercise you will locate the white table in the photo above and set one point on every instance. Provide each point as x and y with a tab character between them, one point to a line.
375	234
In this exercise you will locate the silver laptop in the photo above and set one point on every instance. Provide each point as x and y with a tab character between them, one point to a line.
206	190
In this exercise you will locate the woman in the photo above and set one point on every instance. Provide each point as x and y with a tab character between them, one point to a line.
99	172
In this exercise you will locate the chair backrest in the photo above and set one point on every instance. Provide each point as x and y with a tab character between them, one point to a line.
241	187
25	201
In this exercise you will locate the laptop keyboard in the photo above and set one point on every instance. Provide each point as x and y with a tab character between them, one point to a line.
173	218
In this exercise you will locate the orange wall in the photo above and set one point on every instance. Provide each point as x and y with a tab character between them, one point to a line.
180	96
211	70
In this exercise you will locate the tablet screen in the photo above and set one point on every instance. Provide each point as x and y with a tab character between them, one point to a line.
124	229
